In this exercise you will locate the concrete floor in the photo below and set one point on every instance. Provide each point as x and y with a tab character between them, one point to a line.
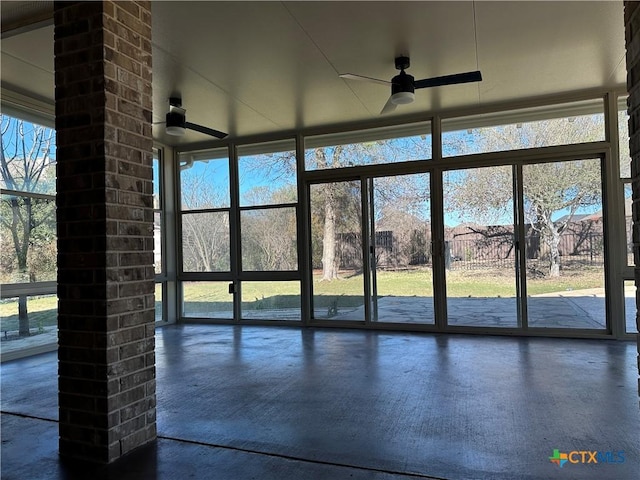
286	403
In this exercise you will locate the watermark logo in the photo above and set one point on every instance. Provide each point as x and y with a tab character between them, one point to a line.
586	457
559	458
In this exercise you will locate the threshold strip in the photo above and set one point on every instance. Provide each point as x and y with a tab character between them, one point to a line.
302	459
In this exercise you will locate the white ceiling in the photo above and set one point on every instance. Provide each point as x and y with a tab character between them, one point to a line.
258	67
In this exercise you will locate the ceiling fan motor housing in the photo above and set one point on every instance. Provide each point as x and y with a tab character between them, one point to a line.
402	89
403	82
175	119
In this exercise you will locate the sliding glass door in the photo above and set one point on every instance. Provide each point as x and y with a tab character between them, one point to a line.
337	261
550	214
564	244
371	249
479	247
400	247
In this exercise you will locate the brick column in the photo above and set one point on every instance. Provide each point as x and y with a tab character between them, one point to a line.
632	38
105	228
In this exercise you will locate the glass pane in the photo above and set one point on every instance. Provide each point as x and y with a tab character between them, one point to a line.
269	239
564	244
623	135
204	183
271	300
207	300
376	146
28	239
29	151
157	214
630	293
628	222
157	242
336	244
402	280
159	310
529	128
205	242
479	247
267	174
39	324
157	184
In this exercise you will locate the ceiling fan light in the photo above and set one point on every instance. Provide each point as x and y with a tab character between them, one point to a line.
402	98
176	124
176	130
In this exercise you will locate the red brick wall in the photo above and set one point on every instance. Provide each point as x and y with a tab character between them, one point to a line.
105	228
632	37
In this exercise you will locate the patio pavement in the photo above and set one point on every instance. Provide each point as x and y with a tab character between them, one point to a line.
583	309
570	309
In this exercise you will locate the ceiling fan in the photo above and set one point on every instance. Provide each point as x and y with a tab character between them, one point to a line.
176	121
403	84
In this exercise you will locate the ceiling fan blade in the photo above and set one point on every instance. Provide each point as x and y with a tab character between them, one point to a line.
449	80
351	76
388	107
205	130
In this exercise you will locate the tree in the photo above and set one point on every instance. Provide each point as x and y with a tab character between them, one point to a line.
330	195
26	153
559	187
553	192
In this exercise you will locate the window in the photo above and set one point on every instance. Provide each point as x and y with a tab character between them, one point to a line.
279	301
623	139
27	233
267	179
267	174
157	214
269	239
625	176
205	221
207	300
268	199
368	147
527	128
158	234
522	219
239	224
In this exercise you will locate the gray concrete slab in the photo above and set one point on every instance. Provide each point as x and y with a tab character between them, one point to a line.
580	309
260	402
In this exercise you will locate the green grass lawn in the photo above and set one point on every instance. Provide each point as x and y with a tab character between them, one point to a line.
349	289
201	297
43	312
461	283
